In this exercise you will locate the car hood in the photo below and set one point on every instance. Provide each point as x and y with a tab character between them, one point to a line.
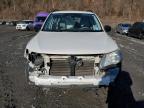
72	43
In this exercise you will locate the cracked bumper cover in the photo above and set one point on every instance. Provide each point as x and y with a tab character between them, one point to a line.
48	80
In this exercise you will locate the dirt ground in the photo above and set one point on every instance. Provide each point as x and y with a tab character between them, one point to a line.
16	93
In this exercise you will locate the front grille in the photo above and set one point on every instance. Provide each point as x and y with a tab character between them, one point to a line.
62	67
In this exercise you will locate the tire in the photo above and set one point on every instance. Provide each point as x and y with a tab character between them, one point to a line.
27	29
141	36
128	35
121	33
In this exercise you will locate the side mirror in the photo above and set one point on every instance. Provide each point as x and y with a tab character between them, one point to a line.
107	28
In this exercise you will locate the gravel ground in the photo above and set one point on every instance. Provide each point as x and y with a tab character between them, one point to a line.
16	93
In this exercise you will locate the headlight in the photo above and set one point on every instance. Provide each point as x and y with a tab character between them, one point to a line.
36	59
110	59
39	61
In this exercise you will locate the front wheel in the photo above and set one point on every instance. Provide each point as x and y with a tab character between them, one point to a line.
141	36
28	29
128	34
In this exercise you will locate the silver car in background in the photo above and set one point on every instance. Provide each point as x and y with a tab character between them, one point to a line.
123	28
22	25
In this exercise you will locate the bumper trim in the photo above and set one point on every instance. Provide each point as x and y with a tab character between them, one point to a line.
66	81
49	80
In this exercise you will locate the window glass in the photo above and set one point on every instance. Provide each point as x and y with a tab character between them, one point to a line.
72	22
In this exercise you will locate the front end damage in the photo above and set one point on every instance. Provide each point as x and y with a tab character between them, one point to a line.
64	70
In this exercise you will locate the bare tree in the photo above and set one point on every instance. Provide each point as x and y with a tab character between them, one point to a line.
132	9
14	5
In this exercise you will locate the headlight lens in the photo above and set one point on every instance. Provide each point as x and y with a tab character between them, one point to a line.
112	58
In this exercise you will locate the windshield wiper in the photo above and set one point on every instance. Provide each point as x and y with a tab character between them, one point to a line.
74	30
88	29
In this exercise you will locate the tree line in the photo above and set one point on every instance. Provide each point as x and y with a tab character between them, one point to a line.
24	9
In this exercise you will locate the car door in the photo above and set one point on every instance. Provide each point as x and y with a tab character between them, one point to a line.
131	30
139	30
142	32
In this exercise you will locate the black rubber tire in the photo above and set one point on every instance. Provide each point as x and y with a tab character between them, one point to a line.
128	35
27	29
141	36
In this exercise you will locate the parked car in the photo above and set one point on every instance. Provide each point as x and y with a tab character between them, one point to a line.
137	30
73	48
9	23
38	21
22	25
15	22
3	22
0	22
123	28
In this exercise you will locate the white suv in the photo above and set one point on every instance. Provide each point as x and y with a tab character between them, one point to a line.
72	48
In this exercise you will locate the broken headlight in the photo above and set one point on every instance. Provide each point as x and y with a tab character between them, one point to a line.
39	61
110	59
36	59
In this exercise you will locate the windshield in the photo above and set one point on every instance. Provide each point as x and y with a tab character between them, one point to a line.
40	19
25	22
22	22
126	25
71	22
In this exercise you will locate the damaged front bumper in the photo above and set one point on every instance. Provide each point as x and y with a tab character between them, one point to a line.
48	80
49	70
